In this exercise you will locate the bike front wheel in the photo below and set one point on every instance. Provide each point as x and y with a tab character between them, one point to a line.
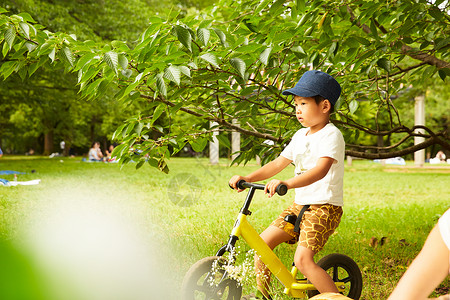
344	270
208	280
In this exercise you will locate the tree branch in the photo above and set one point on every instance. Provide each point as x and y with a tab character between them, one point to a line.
220	121
382	155
405	49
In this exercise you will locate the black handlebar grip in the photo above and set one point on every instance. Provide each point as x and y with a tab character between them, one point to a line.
282	189
240	183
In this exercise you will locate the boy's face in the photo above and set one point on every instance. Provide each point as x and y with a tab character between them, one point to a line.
310	114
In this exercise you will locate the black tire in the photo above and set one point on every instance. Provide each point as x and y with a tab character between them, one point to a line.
197	281
342	269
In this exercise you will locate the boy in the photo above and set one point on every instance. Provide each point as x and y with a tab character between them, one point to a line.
318	154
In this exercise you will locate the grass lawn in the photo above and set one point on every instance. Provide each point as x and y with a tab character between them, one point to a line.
140	230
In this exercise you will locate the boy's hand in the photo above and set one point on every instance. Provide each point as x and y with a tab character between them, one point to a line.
271	187
234	180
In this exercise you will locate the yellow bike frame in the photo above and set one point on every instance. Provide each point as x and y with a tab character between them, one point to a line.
296	288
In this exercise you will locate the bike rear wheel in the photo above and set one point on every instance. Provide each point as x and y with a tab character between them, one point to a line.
205	280
342	269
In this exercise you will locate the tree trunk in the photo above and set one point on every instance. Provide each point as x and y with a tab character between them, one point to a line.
48	143
66	150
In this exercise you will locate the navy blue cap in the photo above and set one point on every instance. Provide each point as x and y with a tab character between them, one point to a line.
314	83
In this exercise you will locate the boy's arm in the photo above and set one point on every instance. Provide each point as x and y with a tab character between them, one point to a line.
318	172
267	171
427	270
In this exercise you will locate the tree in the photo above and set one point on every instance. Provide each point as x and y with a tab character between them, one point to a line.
49	97
232	62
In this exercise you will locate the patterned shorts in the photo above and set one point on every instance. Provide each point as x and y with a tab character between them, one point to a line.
318	223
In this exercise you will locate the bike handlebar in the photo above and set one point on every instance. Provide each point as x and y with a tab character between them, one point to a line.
242	184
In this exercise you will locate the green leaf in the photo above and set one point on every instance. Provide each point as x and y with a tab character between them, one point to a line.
162	166
23	73
91	88
161	85
130	128
118	132
30	46
333	49
25	29
26	17
173	73
275	6
140	164
120	150
10	36
112	60
301	5
224	140
384	63
185	70
127	73
32	68
264	56
85	75
83	60
222	36
239	65
132	86
302	20
443	73
158	112
298	49
203	35
138	128
5	49
250	26
68	55
184	36
309	31
442	43
263	4
7	68
199	144
424	45
373	29
123	61
353	106
210	58
52	54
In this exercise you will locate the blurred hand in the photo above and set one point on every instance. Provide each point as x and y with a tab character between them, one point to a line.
271	187
234	180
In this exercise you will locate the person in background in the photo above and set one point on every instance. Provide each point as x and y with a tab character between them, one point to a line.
95	153
441	156
1	152
109	152
430	267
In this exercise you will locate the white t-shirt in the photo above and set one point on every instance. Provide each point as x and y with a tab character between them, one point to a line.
305	150
444	228
93	155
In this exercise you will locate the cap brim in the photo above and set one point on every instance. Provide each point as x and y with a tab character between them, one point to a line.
299	92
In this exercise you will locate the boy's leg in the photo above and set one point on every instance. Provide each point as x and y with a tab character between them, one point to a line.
319	222
273	236
304	261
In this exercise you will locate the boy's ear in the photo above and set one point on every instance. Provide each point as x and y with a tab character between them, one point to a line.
326	105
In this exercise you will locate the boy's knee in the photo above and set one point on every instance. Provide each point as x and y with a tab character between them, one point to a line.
303	265
304	261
